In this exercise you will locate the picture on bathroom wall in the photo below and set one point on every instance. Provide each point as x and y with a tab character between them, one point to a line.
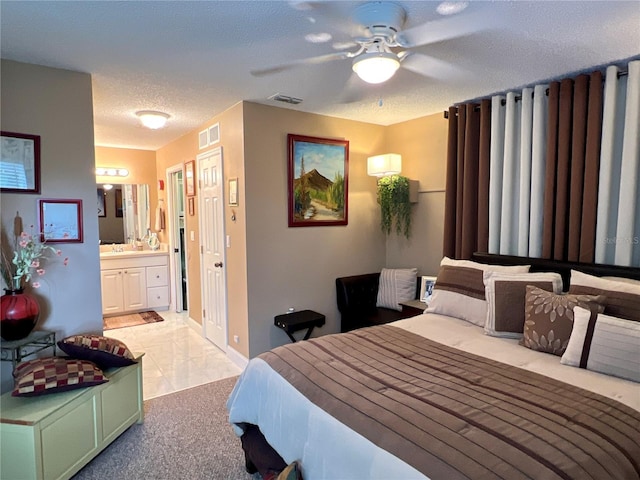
317	181
102	207
118	202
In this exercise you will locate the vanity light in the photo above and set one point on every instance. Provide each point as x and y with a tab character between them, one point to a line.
382	165
112	172
153	119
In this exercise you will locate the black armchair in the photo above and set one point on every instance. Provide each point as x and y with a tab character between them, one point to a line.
357	297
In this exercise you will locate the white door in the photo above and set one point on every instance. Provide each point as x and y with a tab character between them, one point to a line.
176	222
211	207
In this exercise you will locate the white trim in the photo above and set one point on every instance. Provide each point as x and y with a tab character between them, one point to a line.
196	326
236	357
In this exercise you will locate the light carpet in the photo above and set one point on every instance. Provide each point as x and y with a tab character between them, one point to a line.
185	435
131	320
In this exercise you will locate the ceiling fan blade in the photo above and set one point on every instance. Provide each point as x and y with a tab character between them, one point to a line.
304	61
445	29
353	90
432	67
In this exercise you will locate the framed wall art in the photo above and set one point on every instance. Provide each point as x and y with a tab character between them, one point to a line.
233	192
19	163
60	221
190	178
192	206
102	207
118	194
318	171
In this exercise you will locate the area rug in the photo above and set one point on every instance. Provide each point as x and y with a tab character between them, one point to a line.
131	320
185	435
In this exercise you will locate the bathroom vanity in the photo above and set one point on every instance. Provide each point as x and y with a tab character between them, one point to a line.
133	281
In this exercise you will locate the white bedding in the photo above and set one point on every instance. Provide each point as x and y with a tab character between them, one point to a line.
299	430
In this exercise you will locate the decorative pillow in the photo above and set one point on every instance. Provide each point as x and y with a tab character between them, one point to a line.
292	472
396	285
103	351
505	293
54	374
459	289
604	344
623	298
549	318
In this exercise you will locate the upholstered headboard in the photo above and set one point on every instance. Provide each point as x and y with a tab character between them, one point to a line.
563	268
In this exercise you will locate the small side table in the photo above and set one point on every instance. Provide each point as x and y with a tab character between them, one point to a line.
15	350
294	321
413	307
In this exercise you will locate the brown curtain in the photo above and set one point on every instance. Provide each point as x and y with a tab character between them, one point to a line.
466	223
571	181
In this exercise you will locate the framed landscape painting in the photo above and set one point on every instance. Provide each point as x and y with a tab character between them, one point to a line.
317	181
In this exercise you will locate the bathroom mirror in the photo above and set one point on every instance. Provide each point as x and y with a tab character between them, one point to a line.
123	212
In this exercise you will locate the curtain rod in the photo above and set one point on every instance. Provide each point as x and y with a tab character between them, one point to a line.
503	102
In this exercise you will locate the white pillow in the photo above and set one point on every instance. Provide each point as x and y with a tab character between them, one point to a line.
623	298
459	289
506	294
396	285
614	347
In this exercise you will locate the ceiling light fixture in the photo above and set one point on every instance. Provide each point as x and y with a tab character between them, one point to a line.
451	8
376	65
153	119
107	186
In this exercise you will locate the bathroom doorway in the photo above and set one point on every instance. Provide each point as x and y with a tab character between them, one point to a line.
177	240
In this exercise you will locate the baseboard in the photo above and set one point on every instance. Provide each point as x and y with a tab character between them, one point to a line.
195	325
236	357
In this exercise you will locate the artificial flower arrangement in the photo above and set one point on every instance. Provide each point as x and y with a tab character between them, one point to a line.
26	262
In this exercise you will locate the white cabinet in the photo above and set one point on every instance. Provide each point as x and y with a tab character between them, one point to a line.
133	282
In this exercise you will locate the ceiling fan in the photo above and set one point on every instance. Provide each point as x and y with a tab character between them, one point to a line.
377	58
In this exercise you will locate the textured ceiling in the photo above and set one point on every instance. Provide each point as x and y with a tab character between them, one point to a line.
193	59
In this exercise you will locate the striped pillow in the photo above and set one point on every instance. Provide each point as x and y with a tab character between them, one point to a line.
459	290
623	298
396	285
604	344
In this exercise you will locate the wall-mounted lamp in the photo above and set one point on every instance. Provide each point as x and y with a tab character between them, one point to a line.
153	119
112	172
383	165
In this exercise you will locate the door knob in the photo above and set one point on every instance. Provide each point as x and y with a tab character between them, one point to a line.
217	264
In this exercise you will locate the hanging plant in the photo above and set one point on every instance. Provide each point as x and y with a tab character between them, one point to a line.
395	206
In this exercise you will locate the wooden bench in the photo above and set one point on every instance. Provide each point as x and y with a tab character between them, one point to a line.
53	436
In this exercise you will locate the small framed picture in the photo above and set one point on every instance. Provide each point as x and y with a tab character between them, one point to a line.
426	288
102	208
61	221
233	192
190	178
192	206
19	163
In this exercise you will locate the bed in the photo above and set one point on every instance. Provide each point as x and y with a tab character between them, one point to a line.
434	396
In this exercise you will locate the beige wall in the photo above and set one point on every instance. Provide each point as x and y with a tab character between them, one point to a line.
423	146
57	105
297	267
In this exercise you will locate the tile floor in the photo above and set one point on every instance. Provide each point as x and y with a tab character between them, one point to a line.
176	356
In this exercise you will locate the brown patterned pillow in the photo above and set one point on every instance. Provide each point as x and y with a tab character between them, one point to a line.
103	351
549	318
54	374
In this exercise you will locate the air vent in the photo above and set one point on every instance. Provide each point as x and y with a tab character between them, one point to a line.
278	97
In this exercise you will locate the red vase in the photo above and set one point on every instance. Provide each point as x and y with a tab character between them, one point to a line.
18	314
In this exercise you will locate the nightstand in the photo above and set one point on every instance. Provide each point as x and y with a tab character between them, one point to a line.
294	321
413	307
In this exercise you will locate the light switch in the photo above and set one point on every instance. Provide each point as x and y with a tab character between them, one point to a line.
193	235
228	241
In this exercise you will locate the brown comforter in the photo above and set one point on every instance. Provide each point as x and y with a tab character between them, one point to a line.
454	415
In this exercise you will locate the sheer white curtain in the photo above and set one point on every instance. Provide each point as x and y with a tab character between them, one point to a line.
516	194
618	219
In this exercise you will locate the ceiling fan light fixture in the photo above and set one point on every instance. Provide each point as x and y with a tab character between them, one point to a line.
376	67
153	119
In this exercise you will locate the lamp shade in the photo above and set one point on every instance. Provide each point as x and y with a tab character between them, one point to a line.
376	67
382	165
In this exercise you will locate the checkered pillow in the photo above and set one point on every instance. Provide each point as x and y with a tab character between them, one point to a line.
103	351
54	374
